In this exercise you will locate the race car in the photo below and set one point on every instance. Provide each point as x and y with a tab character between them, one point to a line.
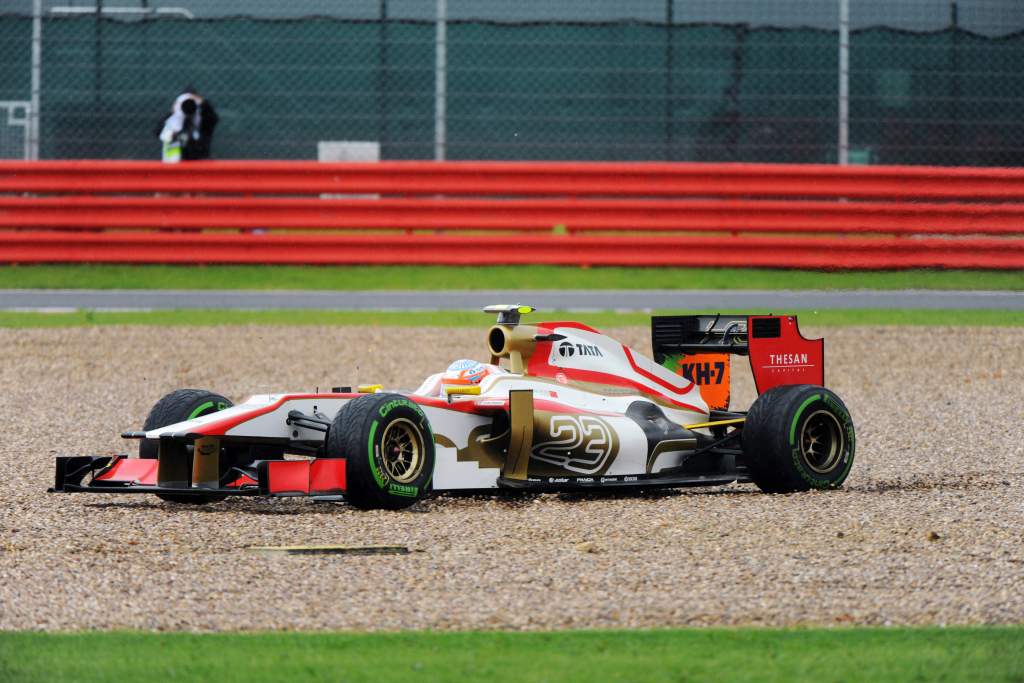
557	406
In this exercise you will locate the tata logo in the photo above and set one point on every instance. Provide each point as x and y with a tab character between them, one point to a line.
568	350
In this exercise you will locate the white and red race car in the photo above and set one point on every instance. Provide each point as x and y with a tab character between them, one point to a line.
558	406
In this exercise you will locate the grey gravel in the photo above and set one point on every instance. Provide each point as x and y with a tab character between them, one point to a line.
928	530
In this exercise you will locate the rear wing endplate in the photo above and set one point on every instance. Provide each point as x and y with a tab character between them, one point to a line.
699	347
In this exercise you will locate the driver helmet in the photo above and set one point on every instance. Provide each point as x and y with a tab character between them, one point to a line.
467	371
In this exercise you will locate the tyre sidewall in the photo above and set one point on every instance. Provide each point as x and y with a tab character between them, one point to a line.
368	484
808	402
179	406
771	439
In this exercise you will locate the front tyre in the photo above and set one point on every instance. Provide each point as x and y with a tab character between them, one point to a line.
388	447
798	437
179	406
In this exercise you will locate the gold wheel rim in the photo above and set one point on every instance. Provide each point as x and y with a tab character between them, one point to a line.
402	451
822	442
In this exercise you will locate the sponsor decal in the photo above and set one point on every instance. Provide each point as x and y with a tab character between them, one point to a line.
568	350
780	360
702	373
709	371
604	479
579	443
403	490
390	405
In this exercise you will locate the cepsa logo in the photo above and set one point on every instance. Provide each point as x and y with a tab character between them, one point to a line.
568	350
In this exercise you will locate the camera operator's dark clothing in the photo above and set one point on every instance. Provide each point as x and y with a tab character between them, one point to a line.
198	145
187	132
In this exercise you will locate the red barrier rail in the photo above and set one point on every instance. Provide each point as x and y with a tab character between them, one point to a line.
580	215
647	250
648	213
508	178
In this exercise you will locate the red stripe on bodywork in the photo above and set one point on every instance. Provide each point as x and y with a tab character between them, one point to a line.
492	405
131	471
654	378
244	480
568	323
540	367
458	405
220	427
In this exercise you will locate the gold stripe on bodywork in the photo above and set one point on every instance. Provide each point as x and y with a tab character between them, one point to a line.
521	434
666	447
206	463
716	423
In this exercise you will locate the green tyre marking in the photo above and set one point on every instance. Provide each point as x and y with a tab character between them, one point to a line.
850	451
844	416
373	465
796	418
402	490
200	409
430	433
398	403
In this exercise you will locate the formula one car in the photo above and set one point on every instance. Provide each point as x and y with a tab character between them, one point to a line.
557	407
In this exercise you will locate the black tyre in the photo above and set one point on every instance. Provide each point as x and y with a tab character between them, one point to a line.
797	438
178	406
388	446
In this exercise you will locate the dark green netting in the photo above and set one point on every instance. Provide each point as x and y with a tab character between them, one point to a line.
525	91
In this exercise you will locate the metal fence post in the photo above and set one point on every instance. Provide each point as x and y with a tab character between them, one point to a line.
36	79
440	80
843	150
669	58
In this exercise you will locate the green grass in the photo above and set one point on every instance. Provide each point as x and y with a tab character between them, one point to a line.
489	277
470	319
822	656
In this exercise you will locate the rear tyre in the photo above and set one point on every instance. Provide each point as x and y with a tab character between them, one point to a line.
388	448
798	437
178	406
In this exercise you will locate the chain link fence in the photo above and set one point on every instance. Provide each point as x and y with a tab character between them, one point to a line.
929	81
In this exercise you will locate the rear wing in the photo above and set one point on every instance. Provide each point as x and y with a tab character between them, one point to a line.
699	348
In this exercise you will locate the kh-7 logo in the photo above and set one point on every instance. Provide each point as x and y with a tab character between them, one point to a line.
702	372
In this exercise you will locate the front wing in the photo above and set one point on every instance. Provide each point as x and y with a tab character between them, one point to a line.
319	478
